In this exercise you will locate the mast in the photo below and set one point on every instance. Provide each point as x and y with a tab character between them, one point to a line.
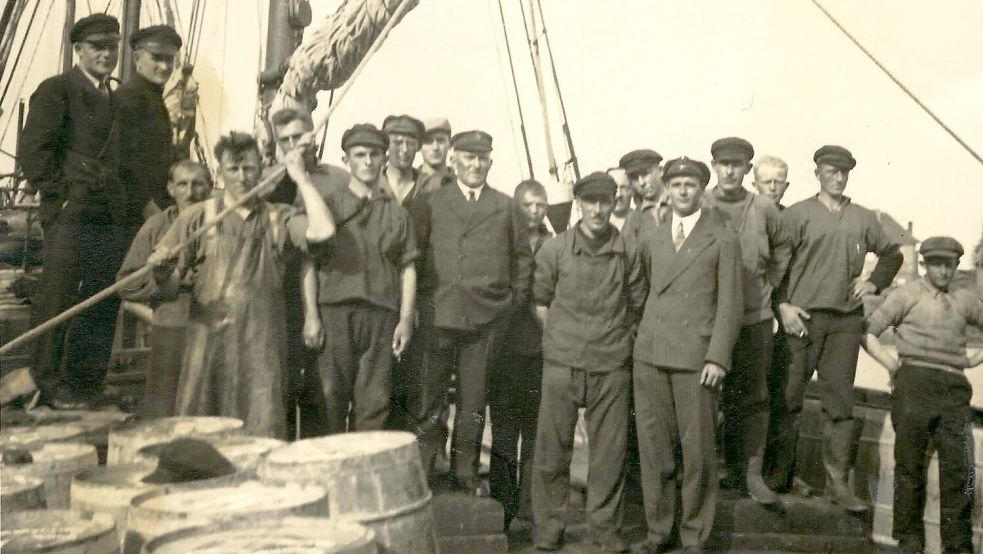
533	41
284	31
559	95
67	59
131	22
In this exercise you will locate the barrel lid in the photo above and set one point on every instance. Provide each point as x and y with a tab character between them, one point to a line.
238	449
31	436
342	446
125	475
247	497
297	535
181	426
34	530
13	484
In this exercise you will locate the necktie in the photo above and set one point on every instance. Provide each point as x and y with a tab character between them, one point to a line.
679	238
471	197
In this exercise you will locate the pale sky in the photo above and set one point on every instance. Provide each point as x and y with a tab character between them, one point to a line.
672	76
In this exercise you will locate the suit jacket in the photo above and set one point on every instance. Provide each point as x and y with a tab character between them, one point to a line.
695	302
473	262
147	149
70	145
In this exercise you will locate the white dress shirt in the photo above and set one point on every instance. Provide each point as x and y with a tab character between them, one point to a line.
688	222
466	189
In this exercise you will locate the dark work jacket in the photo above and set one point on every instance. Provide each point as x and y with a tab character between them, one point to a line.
69	149
147	150
524	335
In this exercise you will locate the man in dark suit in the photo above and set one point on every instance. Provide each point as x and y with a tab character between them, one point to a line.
476	266
683	350
69	151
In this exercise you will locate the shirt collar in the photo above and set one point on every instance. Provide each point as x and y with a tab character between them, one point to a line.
663	200
96	83
380	191
466	189
846	202
611	245
688	222
930	288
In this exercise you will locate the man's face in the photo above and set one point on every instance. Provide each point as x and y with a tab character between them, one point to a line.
940	271
533	207
153	66
240	171
685	193
832	180
434	149
596	211
98	55
730	174
771	182
472	167
622	198
293	133
364	163
647	182
402	151
189	185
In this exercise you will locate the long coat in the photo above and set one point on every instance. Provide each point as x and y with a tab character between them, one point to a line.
147	150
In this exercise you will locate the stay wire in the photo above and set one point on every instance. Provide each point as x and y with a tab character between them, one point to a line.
515	87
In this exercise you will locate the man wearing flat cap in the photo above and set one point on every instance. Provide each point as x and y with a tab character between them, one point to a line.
644	172
683	352
930	395
434	149
765	253
70	151
821	306
589	292
474	267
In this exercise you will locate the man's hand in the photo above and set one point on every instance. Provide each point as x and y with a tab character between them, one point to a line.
792	319
401	336
313	332
161	263
294	162
712	376
975	359
861	288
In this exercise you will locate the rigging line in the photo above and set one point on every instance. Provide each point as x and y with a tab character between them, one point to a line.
27	33
88	5
30	62
201	27
900	85
506	99
515	87
537	71
571	153
108	4
8	11
324	134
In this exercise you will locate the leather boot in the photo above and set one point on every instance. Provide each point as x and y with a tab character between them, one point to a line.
837	445
782	469
755	432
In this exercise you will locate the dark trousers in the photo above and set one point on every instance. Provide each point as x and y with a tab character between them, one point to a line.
830	347
777	377
744	399
604	395
932	405
470	353
513	402
81	257
355	366
405	411
674	414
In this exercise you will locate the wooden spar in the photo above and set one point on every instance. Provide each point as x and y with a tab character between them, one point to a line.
559	95
540	87
262	187
131	22
67	58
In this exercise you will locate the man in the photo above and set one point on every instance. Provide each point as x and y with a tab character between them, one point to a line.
476	266
930	395
69	151
589	291
365	287
765	253
821	307
404	133
644	171
434	149
513	398
622	199
683	351
188	183
235	353
771	179
147	147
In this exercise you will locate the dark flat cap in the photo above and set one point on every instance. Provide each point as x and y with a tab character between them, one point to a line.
364	134
95	24
472	141
403	125
595	183
836	156
732	149
686	166
184	460
941	247
639	159
160	39
436	125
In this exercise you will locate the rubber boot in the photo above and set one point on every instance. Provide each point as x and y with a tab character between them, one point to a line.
782	469
837	445
755	433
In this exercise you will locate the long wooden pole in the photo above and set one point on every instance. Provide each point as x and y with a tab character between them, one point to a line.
261	188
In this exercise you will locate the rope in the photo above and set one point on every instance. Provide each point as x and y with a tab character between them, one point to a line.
27	33
899	83
571	153
540	87
30	62
515	87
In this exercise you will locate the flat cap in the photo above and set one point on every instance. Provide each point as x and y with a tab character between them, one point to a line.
836	156
185	459
403	125
732	149
436	125
364	134
686	166
95	24
472	141
639	159
941	247
595	183
160	39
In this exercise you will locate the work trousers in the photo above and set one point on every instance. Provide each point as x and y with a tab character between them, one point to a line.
164	370
470	354
674	414
406	411
604	395
777	377
932	406
513	403
82	254
745	393
830	347
355	366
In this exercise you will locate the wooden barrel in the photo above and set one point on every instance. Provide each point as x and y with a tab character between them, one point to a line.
297	535
373	478
243	451
35	436
56	463
57	532
157	512
18	493
125	442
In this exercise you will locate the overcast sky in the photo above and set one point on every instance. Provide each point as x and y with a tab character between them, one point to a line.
672	76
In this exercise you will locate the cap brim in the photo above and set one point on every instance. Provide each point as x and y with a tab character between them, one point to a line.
158	48
941	254
100	37
731	157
